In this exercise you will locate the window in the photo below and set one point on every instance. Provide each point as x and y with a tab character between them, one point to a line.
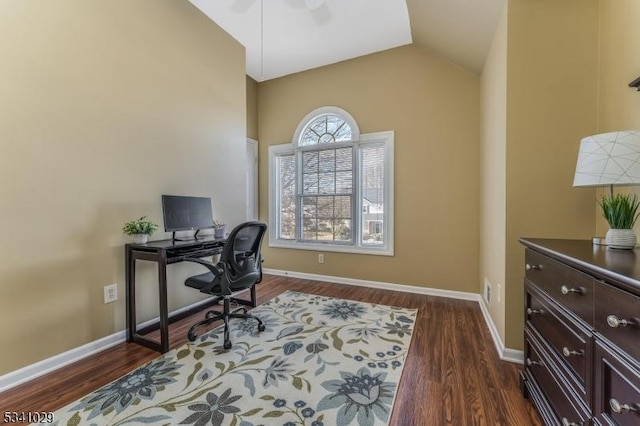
331	189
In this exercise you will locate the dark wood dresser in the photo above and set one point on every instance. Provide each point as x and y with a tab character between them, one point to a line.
582	332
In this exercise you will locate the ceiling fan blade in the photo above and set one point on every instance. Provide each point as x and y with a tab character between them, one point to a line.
319	9
296	4
241	6
321	14
314	4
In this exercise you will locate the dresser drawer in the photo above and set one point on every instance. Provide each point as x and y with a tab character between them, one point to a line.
570	343
567	286
617	317
617	393
538	365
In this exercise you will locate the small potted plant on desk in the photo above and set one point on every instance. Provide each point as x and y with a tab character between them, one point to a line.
140	229
621	212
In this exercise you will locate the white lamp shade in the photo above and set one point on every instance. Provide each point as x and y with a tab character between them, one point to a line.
609	159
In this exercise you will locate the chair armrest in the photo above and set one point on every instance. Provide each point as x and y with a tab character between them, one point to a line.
214	268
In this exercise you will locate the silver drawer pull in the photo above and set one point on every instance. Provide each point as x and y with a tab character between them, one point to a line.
615	322
530	362
566	290
530	267
567	422
618	408
533	311
569	353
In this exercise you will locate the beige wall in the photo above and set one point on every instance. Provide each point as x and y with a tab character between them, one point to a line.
619	105
493	165
433	107
551	102
104	106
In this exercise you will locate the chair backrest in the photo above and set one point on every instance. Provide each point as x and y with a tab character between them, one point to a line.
241	257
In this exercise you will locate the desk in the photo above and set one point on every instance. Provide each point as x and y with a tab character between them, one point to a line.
163	252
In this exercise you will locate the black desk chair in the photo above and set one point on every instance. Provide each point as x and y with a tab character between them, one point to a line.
239	268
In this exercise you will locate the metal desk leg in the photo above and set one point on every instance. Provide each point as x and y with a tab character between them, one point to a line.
164	306
130	284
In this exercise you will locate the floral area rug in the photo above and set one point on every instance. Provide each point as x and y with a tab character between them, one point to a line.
320	361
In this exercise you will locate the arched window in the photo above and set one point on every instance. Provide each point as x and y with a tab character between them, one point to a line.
331	188
326	125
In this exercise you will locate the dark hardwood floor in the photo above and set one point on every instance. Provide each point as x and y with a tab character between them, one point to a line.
453	375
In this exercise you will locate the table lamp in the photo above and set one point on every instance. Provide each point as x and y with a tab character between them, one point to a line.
608	159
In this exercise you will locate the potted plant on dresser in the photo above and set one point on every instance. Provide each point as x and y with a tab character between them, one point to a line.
140	229
621	213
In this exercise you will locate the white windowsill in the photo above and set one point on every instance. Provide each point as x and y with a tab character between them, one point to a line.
381	251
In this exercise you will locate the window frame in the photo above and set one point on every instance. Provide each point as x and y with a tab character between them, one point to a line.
385	139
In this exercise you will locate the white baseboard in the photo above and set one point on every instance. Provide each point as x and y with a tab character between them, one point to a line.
48	365
506	354
376	284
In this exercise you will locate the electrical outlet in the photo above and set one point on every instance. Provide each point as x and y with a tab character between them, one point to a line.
110	293
320	258
487	290
498	297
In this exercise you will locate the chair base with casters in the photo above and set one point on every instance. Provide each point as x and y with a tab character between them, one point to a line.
225	315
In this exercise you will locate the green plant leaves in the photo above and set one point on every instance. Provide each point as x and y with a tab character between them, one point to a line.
620	210
140	226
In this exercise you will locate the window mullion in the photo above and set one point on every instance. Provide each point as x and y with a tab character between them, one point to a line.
334	222
279	194
316	217
299	186
334	145
356	204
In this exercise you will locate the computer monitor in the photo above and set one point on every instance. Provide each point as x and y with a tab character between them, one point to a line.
183	213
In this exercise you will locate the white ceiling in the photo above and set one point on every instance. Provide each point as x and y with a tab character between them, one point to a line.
288	36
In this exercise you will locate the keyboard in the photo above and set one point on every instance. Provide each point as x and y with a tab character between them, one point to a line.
197	250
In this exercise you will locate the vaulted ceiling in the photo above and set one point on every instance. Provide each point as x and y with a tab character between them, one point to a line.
288	36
